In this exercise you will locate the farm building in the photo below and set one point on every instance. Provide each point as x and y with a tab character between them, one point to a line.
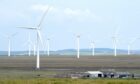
96	74
107	74
93	74
124	75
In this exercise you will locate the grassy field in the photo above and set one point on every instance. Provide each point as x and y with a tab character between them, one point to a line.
71	62
25	66
69	81
21	70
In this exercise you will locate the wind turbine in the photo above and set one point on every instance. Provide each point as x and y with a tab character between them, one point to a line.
115	45
93	48
9	42
34	46
48	47
39	38
129	45
115	40
29	43
92	45
78	46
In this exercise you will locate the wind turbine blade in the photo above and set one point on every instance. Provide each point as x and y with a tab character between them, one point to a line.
43	17
8	36
40	38
33	28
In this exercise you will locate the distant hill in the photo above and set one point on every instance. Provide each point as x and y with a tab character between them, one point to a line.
89	51
98	51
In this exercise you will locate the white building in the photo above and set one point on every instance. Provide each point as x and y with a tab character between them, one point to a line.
94	74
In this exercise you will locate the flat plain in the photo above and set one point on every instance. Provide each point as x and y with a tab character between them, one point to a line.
71	62
21	69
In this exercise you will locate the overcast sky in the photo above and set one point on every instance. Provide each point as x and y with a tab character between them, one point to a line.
94	20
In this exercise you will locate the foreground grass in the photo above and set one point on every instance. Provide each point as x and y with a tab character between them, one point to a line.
69	81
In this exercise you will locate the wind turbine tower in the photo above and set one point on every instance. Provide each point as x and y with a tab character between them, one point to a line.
29	43
78	46
9	46
128	49
115	40
34	49
48	47
115	45
93	48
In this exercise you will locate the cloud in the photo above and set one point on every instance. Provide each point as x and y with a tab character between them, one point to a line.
77	12
40	7
80	13
66	13
69	11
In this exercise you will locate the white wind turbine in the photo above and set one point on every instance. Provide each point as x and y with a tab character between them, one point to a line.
48	47
34	47
39	38
29	43
115	45
78	46
93	48
115	40
129	45
9	42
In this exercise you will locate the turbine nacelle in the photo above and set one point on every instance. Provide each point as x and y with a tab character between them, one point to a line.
78	36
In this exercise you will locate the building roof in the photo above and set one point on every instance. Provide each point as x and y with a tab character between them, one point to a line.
94	72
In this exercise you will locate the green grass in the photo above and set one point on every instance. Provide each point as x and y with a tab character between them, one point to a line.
26	74
69	81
